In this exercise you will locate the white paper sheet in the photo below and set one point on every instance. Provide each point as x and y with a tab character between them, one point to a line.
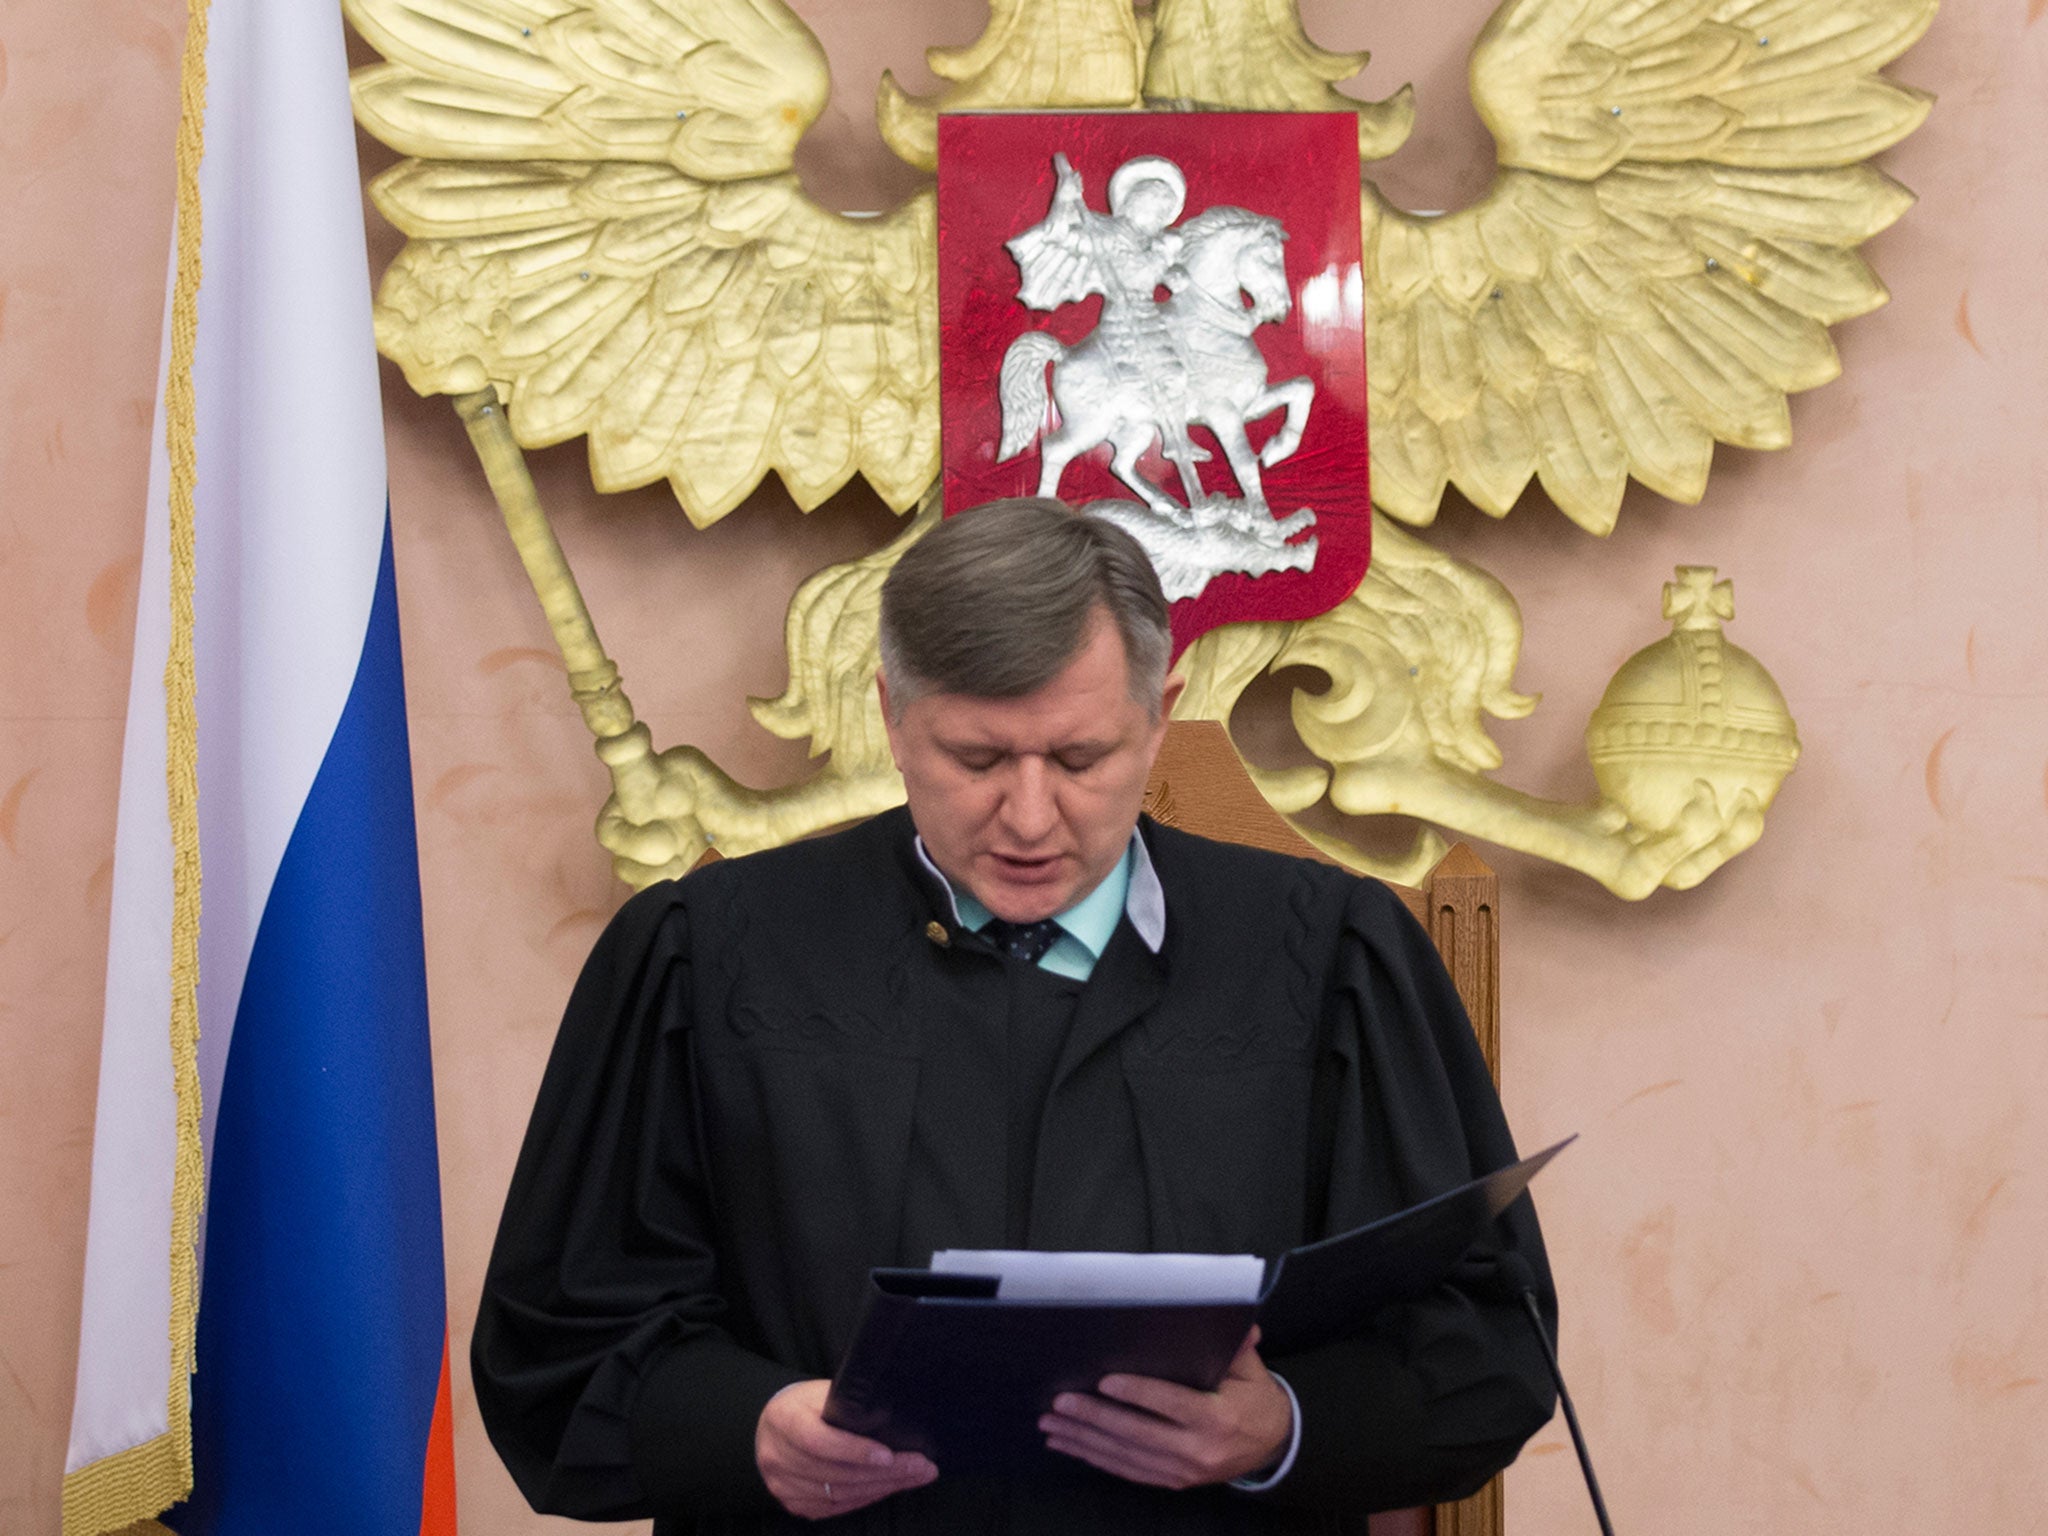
1028	1276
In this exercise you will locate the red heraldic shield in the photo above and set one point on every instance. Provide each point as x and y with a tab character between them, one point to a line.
1160	316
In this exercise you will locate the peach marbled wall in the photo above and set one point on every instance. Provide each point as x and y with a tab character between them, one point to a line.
1804	1244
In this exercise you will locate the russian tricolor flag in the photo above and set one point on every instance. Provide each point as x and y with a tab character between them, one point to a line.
266	797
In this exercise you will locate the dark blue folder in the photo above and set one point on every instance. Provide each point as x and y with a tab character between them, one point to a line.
939	1364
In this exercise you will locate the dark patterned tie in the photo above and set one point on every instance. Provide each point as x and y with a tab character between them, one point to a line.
1022	941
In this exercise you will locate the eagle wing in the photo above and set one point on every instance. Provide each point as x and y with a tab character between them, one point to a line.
1655	268
1671	233
603	223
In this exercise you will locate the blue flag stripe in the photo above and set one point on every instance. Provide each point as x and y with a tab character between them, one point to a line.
323	1306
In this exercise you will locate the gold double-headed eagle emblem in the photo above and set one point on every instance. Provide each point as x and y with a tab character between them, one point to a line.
607	240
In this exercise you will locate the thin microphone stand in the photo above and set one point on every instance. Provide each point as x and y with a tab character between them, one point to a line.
1571	1416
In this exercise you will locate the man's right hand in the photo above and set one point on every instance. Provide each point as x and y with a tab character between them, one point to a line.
816	1471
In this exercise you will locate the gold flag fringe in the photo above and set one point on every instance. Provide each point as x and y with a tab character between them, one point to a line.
120	1493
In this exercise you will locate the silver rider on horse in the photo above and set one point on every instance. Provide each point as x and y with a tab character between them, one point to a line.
1173	349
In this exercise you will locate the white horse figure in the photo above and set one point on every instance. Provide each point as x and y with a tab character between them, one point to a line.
1130	386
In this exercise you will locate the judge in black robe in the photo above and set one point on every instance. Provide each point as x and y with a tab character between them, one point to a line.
790	1068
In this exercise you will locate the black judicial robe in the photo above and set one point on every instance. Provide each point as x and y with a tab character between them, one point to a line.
775	1075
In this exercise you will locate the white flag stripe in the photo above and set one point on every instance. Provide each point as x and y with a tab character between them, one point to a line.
124	1341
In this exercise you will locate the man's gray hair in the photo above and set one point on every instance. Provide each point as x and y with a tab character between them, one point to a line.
995	601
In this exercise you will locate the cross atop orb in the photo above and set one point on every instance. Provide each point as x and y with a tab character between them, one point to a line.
1696	600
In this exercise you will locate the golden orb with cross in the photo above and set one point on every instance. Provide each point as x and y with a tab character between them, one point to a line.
1691	711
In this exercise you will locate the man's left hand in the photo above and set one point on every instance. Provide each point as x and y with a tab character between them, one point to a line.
1159	1432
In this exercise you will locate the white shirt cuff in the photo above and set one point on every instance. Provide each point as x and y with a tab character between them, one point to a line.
1272	1479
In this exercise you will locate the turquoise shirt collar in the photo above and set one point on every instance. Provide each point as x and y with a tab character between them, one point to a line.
1132	888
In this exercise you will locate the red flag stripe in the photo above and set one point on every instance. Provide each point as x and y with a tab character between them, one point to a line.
437	1493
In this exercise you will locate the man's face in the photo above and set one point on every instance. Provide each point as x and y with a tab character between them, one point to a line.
1029	802
1150	205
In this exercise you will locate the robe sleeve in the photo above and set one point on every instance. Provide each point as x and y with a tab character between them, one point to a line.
1441	1393
604	1366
